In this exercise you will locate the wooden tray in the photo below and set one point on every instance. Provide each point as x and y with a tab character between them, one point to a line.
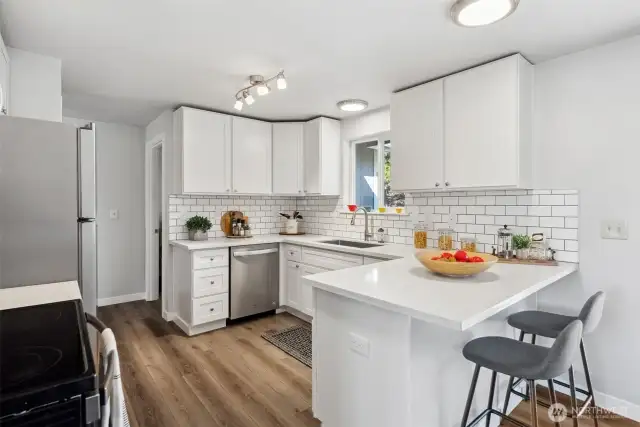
527	261
238	237
282	233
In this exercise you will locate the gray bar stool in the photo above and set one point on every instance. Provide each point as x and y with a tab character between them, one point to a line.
522	360
550	325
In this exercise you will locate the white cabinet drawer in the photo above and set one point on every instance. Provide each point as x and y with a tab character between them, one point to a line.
211	258
210	281
330	260
293	253
210	309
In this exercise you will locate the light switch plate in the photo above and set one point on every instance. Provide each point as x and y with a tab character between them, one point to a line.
113	214
614	229
359	344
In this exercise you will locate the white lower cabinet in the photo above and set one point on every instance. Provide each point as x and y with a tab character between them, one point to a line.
305	262
201	283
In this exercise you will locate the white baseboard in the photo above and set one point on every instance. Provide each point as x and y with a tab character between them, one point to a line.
121	299
618	406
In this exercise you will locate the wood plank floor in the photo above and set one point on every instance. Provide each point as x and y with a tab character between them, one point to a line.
230	377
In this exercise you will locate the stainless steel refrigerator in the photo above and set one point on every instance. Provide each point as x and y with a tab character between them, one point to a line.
48	205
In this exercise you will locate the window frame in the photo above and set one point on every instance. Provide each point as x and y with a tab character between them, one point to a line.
380	140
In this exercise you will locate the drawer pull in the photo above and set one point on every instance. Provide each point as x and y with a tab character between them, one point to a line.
211	259
212	309
213	282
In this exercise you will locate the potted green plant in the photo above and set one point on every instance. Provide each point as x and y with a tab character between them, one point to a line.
198	227
521	243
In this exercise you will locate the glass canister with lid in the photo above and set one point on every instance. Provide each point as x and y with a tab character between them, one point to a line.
445	238
505	243
469	244
420	235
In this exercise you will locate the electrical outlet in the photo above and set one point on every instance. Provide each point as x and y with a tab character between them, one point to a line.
614	229
359	344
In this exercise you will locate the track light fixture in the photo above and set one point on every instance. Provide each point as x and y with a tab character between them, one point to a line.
243	96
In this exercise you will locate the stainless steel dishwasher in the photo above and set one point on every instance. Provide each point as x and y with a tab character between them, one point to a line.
255	280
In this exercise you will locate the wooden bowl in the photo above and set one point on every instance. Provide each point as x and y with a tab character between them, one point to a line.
455	269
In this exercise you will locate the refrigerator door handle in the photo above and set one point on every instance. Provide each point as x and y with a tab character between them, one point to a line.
83	219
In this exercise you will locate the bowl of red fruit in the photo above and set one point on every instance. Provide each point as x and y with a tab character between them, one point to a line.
455	263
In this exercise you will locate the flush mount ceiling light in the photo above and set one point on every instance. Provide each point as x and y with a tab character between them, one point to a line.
243	96
476	13
352	105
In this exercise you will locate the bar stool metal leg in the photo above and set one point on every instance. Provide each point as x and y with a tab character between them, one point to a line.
574	401
511	380
587	375
491	394
552	396
533	341
472	390
534	403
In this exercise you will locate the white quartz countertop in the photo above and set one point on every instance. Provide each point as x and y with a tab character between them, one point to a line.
386	251
402	284
24	296
405	286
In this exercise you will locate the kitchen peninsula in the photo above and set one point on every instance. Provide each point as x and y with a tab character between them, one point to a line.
388	338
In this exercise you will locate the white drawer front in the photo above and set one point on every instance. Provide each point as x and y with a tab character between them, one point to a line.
210	281
293	253
330	260
209	259
210	309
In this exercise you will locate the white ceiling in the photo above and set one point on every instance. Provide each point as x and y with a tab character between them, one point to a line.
127	60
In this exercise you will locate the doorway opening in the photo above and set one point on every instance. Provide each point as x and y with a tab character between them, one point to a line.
154	201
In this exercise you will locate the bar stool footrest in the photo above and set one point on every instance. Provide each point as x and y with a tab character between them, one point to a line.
486	412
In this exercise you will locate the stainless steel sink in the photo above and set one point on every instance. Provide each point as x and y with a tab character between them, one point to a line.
350	243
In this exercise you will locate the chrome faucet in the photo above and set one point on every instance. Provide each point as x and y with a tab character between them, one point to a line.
367	235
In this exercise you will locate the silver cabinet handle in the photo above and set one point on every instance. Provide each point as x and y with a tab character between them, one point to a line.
228	190
446	183
211	259
297	266
213	282
212	309
437	184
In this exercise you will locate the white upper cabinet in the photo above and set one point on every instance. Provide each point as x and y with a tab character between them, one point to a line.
468	130
287	170
251	156
417	137
322	160
487	113
4	79
203	149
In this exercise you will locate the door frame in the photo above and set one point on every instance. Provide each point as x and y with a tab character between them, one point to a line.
151	294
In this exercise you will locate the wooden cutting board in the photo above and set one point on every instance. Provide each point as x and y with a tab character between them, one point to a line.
225	221
527	261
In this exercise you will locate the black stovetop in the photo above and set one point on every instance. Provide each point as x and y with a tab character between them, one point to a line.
45	356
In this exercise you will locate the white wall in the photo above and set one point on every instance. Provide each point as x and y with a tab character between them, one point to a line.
36	86
120	185
586	136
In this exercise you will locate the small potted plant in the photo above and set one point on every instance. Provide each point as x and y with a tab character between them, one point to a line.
198	227
291	226
521	243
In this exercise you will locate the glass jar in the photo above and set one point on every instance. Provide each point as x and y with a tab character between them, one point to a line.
445	239
539	247
468	244
505	243
420	235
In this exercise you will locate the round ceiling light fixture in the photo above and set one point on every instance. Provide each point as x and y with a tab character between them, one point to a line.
476	13
352	105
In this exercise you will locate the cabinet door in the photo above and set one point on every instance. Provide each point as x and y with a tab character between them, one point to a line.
4	82
251	156
287	158
311	152
206	151
293	285
417	126
481	126
306	290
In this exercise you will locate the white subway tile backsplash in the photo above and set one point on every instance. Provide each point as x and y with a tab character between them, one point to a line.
564	211
477	214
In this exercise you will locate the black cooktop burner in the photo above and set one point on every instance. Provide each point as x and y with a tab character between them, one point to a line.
45	355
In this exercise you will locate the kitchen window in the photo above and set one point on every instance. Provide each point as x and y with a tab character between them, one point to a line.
371	174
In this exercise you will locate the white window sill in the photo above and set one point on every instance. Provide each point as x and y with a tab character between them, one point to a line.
394	213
